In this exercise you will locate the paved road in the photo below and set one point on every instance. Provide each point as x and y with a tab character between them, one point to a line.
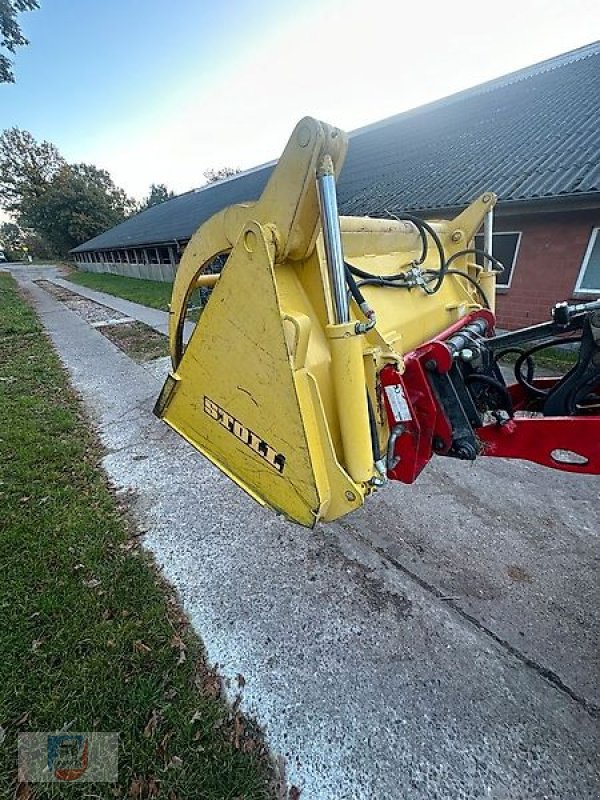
440	643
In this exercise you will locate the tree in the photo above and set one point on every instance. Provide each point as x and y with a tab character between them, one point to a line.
158	194
80	202
10	236
11	35
16	242
216	174
26	167
59	204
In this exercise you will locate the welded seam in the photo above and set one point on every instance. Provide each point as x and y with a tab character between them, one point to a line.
544	672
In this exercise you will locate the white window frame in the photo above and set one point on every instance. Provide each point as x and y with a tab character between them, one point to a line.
579	289
511	269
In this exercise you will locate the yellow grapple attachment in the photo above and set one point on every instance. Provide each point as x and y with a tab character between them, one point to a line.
272	385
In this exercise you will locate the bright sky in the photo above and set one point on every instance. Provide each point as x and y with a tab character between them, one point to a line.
157	91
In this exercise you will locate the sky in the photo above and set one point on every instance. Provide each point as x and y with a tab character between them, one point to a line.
157	92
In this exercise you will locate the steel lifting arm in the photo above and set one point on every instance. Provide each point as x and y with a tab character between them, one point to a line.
335	353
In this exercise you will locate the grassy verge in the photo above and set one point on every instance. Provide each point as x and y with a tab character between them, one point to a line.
137	340
90	637
149	293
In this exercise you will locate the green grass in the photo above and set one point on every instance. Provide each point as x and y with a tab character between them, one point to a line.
149	293
90	635
560	359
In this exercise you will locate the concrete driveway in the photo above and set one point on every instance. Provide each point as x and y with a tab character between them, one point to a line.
440	643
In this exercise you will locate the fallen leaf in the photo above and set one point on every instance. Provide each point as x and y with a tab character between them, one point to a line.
152	724
143	788
140	647
178	643
295	793
23	792
175	762
161	750
36	644
91	583
241	680
195	717
22	720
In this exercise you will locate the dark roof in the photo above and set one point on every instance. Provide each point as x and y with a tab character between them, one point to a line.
528	135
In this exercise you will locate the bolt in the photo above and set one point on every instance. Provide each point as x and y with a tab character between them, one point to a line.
467	354
350	497
457	236
465	451
486	198
431	364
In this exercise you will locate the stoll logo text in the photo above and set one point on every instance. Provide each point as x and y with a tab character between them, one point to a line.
245	435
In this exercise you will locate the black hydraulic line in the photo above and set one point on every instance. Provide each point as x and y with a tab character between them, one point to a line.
369	276
467	277
401	281
489	380
526	384
421	223
377	280
353	286
518	351
476	251
424	228
373	429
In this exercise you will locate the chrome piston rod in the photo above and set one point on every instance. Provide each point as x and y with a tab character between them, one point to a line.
332	239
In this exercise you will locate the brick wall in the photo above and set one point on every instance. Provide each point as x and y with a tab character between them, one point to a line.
552	248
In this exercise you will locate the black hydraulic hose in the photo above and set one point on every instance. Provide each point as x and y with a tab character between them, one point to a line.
370	276
527	354
476	251
424	228
381	281
518	351
489	380
440	248
471	280
373	429
353	286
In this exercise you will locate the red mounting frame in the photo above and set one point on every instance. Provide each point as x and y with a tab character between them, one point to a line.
421	427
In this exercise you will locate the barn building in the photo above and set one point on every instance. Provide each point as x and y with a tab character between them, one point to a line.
532	136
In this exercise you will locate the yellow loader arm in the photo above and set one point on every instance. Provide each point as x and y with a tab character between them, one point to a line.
322	363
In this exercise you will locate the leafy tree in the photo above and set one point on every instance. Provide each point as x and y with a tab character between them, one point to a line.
16	242
10	236
11	35
216	174
158	194
61	204
80	202
26	167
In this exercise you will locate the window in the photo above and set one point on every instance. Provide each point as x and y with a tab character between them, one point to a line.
505	247
588	280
